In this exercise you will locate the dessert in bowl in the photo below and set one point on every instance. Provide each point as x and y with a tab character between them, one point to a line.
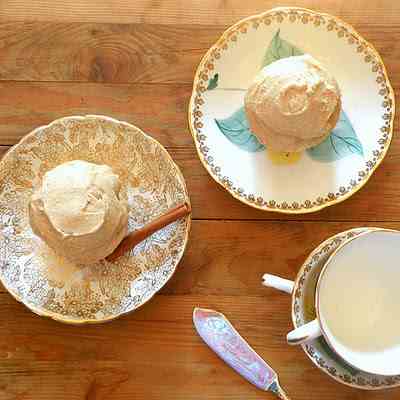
78	211
274	109
293	104
86	180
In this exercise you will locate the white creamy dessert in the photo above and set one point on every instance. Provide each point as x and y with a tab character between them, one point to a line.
78	211
293	104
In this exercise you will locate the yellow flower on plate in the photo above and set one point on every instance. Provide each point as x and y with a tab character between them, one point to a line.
283	158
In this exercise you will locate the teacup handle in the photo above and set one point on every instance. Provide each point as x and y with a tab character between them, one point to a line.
278	283
304	333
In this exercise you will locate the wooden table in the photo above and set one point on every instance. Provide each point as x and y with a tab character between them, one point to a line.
135	60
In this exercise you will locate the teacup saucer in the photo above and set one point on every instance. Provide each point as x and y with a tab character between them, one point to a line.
152	183
303	311
321	176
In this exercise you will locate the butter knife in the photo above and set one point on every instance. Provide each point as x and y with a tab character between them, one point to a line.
222	337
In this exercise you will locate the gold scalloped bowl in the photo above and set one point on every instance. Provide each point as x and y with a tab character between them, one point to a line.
320	176
50	285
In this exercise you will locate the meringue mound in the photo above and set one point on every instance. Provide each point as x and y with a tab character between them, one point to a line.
78	211
293	104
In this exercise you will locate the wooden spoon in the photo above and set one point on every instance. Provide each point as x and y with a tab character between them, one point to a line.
135	237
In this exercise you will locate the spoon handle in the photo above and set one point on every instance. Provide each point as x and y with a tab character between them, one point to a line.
137	236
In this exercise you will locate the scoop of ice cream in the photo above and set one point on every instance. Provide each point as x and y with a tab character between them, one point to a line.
78	211
293	104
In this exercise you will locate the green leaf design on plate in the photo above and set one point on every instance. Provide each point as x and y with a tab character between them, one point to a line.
236	129
342	142
279	48
213	83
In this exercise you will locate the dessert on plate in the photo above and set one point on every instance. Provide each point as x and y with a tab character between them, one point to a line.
293	104
78	211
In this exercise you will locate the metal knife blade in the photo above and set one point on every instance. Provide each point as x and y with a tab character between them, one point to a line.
219	334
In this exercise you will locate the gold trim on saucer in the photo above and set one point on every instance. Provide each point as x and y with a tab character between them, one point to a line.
152	183
324	357
361	47
322	273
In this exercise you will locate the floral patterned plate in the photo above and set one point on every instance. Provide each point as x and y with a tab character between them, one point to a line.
303	311
50	285
320	176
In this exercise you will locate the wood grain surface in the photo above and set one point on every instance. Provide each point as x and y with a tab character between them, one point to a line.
132	53
172	12
135	61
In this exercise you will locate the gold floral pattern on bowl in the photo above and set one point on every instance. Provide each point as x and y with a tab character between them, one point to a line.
52	286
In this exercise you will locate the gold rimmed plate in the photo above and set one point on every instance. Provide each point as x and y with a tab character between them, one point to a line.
52	286
318	177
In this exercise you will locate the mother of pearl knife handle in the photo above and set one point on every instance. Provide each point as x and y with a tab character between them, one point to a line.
218	333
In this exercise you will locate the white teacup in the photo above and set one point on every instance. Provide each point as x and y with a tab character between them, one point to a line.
358	303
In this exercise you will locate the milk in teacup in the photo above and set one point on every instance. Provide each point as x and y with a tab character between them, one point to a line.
360	294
